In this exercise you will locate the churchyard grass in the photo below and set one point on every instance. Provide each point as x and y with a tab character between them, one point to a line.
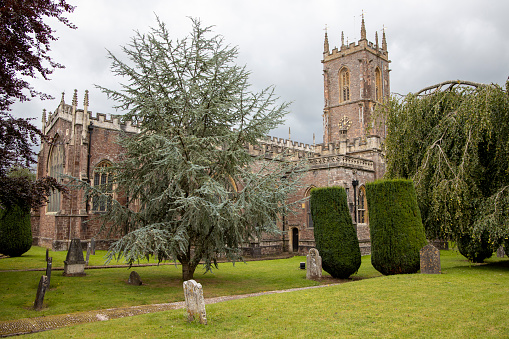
466	301
108	288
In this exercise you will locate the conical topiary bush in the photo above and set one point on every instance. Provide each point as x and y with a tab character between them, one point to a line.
335	235
396	229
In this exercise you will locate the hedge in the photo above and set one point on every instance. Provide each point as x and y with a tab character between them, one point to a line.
335	234
15	231
396	229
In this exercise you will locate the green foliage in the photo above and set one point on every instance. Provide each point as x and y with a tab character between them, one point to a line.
15	231
454	144
335	235
474	249
396	229
199	191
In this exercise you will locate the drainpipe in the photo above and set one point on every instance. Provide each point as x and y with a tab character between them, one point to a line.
355	183
90	129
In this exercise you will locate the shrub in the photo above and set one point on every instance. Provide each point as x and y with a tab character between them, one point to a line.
475	250
335	235
396	229
15	231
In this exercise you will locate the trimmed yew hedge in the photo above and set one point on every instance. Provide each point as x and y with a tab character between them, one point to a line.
396	229
15	231
335	234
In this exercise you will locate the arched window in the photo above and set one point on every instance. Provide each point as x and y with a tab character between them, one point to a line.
344	88
378	85
55	170
307	207
362	215
102	180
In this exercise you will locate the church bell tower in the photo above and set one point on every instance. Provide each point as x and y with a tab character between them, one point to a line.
356	79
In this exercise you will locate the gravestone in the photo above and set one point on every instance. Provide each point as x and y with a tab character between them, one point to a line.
195	304
74	264
134	279
92	245
41	290
430	260
500	252
47	254
314	264
49	263
89	247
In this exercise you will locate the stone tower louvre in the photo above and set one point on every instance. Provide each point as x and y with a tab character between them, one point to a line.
356	78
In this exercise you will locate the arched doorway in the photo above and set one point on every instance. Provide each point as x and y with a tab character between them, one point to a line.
295	240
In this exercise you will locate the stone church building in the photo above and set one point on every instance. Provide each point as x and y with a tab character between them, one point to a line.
356	79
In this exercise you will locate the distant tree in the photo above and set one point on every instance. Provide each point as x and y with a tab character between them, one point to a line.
335	235
199	191
454	144
24	45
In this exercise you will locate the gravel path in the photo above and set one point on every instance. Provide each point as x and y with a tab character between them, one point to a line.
31	325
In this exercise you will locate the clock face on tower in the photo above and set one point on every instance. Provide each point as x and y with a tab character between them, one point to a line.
344	123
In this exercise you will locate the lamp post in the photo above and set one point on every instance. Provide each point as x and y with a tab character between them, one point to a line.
355	183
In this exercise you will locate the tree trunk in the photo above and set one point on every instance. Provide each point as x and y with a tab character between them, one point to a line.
187	270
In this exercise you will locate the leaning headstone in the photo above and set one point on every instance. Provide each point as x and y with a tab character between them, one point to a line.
74	264
92	244
314	264
89	247
49	263
195	304
134	279
41	290
500	252
430	260
47	254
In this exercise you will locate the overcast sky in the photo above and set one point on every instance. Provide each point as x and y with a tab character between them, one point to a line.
281	43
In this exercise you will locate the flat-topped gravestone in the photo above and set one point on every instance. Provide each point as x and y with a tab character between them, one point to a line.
195	304
74	264
430	260
500	252
314	264
134	279
41	290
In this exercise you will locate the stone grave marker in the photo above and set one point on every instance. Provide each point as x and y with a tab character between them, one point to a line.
89	247
92	244
47	254
49	263
430	260
500	252
195	304
41	290
314	264
74	264
134	279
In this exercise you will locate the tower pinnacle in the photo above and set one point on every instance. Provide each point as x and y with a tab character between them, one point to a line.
363	29
384	42
326	43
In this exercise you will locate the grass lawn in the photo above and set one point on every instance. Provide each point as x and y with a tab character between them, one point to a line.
465	301
108	288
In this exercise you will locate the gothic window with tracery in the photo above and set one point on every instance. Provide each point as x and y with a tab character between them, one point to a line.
344	77
362	217
309	219
55	170
378	85
102	180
